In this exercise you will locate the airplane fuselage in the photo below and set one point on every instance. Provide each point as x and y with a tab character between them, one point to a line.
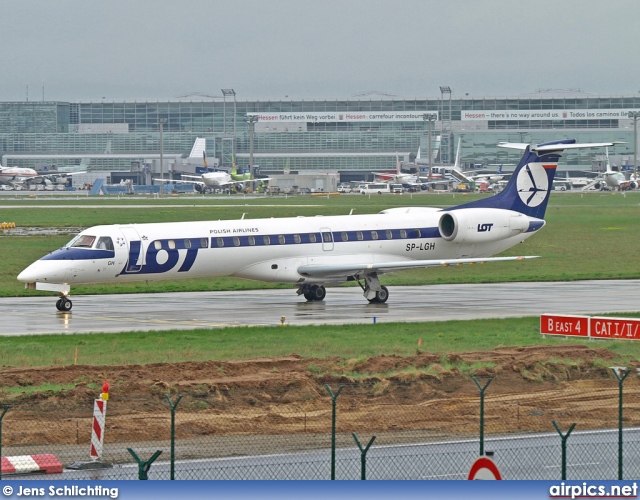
17	174
214	179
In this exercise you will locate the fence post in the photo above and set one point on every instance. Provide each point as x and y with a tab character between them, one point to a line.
482	389
1	417
333	428
143	467
620	381
363	455
173	433
564	447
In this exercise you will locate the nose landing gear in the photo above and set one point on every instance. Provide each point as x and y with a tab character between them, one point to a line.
64	304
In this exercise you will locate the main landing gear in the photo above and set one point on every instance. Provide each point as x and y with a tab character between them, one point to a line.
381	296
313	292
64	304
374	292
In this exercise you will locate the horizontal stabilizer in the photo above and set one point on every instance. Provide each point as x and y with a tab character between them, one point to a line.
556	146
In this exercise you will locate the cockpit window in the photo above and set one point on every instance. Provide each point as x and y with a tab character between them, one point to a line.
82	241
104	243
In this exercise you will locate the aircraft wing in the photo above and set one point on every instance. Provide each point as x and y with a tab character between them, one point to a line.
345	270
68	173
180	181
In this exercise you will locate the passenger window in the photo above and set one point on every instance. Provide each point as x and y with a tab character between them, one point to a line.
374	235
187	243
312	238
252	240
389	234
157	245
360	236
236	241
267	240
296	238
418	234
403	233
220	242
326	237
204	243
281	239
172	245
344	236
105	243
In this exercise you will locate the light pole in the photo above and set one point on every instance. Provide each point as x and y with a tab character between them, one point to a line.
251	120
161	123
634	115
430	117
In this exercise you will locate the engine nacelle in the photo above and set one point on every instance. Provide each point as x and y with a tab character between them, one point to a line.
633	185
479	225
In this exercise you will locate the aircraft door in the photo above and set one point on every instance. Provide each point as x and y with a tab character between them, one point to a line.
327	239
133	246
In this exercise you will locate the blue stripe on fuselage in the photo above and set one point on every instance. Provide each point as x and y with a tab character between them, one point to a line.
71	253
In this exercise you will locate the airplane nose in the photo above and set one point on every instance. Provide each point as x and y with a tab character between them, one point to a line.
29	275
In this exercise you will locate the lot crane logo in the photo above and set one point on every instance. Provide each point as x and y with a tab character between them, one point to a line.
533	184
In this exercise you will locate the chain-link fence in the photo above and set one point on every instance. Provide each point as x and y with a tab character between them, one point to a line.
373	430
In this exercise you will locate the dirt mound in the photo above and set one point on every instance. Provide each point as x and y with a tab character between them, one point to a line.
528	383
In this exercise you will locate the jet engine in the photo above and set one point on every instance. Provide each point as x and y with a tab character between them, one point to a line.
479	225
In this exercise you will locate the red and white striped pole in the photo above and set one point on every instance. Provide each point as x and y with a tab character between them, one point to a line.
97	429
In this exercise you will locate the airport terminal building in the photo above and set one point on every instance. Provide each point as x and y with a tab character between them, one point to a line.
351	136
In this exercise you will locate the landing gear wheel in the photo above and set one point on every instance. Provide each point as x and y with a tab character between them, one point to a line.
64	304
315	293
381	296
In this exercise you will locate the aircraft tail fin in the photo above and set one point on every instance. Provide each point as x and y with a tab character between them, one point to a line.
531	184
199	146
456	164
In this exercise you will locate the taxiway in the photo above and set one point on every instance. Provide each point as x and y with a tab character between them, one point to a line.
343	305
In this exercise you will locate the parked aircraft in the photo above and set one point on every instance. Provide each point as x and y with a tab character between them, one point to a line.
616	180
23	176
312	252
17	175
397	176
491	178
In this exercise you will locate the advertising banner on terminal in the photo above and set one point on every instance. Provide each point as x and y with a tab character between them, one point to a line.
344	116
545	114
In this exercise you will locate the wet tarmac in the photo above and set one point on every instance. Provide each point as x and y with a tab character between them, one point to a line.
343	305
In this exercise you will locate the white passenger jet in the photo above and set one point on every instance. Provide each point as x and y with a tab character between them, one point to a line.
616	180
17	175
22	176
312	252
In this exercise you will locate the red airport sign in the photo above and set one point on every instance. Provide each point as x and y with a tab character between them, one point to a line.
595	327
557	324
615	328
484	468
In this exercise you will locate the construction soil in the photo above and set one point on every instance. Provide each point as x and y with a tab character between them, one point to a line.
530	387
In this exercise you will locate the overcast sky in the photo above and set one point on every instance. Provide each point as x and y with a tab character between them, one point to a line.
312	49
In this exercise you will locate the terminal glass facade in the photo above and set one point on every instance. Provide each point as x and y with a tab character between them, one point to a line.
120	135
